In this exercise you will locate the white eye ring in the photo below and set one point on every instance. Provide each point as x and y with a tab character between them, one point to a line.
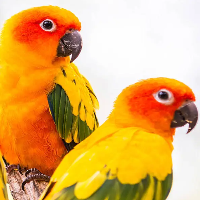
164	96
48	25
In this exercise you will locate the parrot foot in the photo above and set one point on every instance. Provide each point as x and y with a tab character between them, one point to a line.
10	168
36	175
33	171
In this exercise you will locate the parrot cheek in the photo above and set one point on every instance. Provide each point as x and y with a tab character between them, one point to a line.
70	44
187	113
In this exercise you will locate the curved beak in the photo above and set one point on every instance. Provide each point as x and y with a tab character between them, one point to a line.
70	44
187	113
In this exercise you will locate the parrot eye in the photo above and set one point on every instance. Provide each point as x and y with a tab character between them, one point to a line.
48	25
164	96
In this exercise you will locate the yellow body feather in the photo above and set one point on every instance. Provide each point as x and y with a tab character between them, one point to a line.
128	154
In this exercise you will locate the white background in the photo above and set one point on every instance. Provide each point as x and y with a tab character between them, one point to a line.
128	40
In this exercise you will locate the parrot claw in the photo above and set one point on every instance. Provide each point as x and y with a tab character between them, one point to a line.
37	175
10	168
33	171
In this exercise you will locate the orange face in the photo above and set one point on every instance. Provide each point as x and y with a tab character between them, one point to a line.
152	103
25	32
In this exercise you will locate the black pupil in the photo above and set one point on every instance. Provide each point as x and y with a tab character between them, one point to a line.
163	95
47	24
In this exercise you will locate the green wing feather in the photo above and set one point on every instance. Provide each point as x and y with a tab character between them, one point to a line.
114	190
124	165
67	111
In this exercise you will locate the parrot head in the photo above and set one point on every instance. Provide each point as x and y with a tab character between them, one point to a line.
41	34
156	104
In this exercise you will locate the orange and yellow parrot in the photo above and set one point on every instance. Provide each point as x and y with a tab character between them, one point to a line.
46	105
129	156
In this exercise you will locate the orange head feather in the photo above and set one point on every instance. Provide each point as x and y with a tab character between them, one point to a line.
23	38
138	105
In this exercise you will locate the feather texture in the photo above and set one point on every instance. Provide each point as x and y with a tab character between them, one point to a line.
131	169
129	156
72	104
32	82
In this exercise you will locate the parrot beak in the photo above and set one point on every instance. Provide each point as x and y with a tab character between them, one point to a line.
187	113
70	44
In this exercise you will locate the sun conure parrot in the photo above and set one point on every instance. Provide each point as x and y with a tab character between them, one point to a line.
46	105
129	156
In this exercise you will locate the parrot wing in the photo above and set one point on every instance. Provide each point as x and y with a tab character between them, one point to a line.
3	181
72	104
126	165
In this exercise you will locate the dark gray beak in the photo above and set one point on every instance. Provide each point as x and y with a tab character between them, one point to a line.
185	114
70	44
